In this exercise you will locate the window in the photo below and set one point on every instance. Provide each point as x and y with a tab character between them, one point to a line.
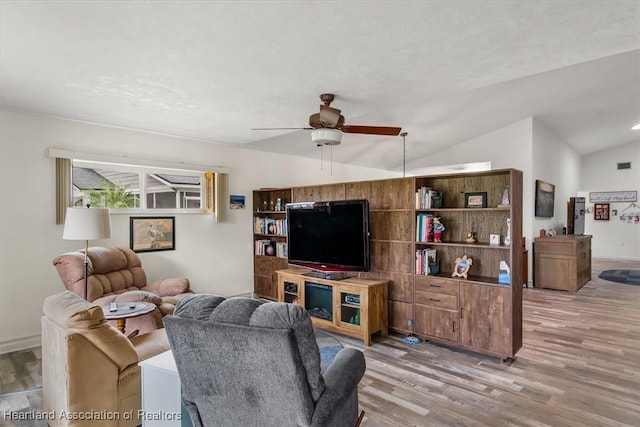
129	185
135	187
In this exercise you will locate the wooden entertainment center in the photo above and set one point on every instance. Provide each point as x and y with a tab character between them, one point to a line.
355	307
480	312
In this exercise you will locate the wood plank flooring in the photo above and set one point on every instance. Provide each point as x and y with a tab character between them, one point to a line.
579	366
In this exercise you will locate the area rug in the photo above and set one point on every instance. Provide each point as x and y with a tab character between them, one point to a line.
327	354
629	277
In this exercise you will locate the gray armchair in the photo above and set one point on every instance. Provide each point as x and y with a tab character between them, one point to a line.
244	362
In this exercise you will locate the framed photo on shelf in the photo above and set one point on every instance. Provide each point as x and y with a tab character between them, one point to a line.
462	266
149	234
601	211
475	200
545	194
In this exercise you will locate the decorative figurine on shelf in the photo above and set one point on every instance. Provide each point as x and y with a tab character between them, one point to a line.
470	238
438	228
505	198
507	238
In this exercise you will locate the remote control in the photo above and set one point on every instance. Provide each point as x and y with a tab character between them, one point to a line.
113	307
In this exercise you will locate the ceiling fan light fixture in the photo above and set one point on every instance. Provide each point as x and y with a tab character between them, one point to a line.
326	136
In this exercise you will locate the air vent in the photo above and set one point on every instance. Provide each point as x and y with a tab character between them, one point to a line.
626	165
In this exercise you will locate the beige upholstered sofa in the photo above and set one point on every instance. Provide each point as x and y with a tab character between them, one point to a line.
90	369
116	275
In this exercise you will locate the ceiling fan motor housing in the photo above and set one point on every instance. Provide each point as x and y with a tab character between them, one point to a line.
326	136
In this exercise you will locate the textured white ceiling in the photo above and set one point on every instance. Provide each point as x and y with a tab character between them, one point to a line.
443	71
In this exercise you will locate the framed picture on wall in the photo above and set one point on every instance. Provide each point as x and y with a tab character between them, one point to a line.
545	194
148	234
601	211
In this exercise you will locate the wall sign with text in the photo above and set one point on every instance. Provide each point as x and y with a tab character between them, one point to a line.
613	196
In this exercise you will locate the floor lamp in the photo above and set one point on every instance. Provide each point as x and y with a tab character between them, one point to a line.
86	224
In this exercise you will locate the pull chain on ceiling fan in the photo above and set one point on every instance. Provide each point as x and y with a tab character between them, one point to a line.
404	153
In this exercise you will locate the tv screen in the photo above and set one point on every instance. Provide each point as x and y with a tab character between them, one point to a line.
329	236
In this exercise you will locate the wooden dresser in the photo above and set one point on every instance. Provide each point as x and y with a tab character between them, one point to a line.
562	262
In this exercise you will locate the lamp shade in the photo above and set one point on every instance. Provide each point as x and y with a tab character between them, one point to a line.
325	136
87	224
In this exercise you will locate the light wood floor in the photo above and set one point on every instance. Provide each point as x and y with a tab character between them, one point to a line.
579	366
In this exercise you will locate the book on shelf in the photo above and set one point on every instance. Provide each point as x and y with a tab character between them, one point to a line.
265	247
272	226
424	227
269	226
428	198
281	250
425	258
423	198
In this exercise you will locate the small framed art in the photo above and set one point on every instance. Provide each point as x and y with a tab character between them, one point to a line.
475	200
462	266
545	195
148	234
601	211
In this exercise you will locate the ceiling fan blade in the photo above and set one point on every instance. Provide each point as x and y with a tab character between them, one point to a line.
329	116
371	130
281	128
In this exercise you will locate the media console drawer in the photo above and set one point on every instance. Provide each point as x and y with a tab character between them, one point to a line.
447	302
437	285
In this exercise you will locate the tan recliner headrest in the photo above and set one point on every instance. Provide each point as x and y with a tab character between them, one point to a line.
71	311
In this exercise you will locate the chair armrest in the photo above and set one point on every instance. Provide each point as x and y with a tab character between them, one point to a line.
135	296
341	380
108	299
168	287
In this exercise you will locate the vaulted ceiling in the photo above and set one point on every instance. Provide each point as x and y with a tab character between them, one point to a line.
443	71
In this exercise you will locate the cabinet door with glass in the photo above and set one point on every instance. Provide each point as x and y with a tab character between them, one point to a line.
351	301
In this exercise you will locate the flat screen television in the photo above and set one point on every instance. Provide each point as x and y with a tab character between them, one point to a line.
329	236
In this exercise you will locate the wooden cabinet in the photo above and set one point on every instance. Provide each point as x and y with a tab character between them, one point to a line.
485	318
269	239
562	262
319	193
355	307
477	313
475	316
391	227
436	308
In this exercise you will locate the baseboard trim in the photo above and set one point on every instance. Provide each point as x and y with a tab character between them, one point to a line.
617	258
20	344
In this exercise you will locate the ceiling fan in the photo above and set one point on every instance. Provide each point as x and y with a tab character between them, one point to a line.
328	125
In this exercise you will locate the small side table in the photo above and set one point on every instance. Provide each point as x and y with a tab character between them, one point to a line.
126	311
162	393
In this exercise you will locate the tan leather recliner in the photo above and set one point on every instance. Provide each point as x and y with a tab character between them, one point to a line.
116	275
90	369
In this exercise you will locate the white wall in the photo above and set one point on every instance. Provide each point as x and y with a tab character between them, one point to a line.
215	257
534	149
507	147
613	238
555	162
